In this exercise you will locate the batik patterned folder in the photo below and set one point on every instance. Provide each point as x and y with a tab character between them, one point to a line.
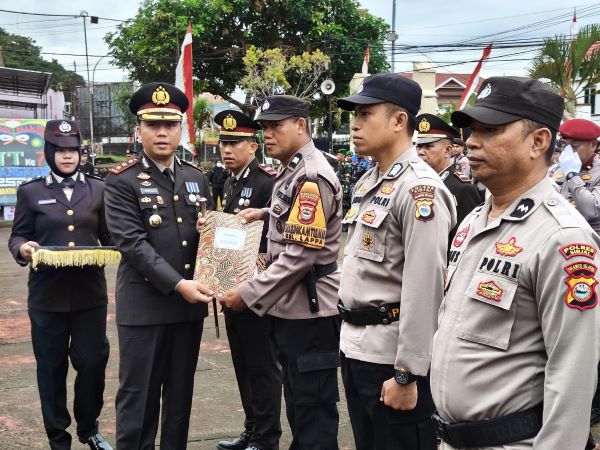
227	252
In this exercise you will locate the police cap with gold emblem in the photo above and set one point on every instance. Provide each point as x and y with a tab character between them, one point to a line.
279	107
236	126
579	130
431	128
159	101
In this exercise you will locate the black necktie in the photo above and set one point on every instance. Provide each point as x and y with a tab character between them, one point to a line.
67	182
168	173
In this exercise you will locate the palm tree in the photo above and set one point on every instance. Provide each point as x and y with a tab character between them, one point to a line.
202	115
571	65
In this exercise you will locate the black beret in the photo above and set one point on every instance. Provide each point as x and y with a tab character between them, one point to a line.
504	100
62	133
236	126
385	87
279	107
159	101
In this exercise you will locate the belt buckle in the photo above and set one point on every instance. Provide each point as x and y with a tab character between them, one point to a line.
344	312
441	428
384	313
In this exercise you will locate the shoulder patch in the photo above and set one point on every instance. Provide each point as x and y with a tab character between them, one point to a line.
464	179
32	180
189	164
122	167
423	195
267	169
306	224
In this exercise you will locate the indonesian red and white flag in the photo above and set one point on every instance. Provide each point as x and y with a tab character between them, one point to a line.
183	80
474	79
574	26
365	66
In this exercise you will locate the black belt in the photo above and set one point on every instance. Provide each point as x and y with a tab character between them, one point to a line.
310	281
376	315
493	432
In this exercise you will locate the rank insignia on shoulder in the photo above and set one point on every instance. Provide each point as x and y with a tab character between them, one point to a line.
423	195
571	250
509	248
581	283
395	170
122	167
462	177
306	223
295	161
267	169
522	208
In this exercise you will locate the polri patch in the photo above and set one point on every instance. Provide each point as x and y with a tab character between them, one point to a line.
423	195
581	283
571	250
509	248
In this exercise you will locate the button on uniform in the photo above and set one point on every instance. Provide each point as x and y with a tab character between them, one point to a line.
176	197
69	212
184	243
70	228
187	266
71	244
179	220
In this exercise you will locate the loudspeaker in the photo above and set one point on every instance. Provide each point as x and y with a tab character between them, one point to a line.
327	87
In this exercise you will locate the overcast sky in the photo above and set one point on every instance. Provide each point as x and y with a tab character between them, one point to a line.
418	22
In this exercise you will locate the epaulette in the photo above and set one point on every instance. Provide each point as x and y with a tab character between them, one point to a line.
267	169
122	167
189	164
32	180
95	177
462	177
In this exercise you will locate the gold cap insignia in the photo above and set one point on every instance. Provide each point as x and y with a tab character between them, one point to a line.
229	123
424	126
160	96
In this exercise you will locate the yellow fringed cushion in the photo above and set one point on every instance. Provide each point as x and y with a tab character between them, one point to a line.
74	256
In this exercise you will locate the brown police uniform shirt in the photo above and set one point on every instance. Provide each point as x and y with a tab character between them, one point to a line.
280	291
583	191
519	322
396	252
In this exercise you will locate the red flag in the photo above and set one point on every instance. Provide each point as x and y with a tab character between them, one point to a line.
365	66
183	80
473	79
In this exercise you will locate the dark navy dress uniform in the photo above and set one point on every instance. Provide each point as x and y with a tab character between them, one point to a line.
153	222
66	305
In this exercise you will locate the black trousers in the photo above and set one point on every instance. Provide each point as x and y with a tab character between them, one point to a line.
258	376
157	366
217	192
379	427
308	351
80	336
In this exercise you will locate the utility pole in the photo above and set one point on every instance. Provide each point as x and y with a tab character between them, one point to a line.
84	15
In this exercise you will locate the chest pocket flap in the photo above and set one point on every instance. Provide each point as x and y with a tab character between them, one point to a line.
371	245
489	314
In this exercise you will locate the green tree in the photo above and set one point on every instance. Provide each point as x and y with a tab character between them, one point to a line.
20	52
223	30
122	97
570	65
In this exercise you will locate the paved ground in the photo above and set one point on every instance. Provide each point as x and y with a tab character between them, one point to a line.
216	414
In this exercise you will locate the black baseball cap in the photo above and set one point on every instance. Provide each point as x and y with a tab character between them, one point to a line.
503	100
159	101
236	126
62	133
279	107
385	87
431	128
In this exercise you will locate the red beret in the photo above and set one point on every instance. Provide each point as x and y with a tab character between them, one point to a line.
579	129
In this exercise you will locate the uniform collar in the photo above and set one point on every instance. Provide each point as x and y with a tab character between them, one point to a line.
245	171
53	177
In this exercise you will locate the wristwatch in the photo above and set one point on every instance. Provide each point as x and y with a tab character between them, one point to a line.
571	175
404	377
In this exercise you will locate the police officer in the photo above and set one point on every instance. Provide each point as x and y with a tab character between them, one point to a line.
579	168
250	185
398	231
461	162
217	179
515	355
151	209
299	289
86	165
434	144
67	305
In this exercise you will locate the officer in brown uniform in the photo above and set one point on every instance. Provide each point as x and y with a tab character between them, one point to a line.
434	145
152	204
299	289
399	222
578	173
515	355
250	185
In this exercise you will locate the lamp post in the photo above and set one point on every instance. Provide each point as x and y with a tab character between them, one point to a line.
93	153
84	15
392	36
